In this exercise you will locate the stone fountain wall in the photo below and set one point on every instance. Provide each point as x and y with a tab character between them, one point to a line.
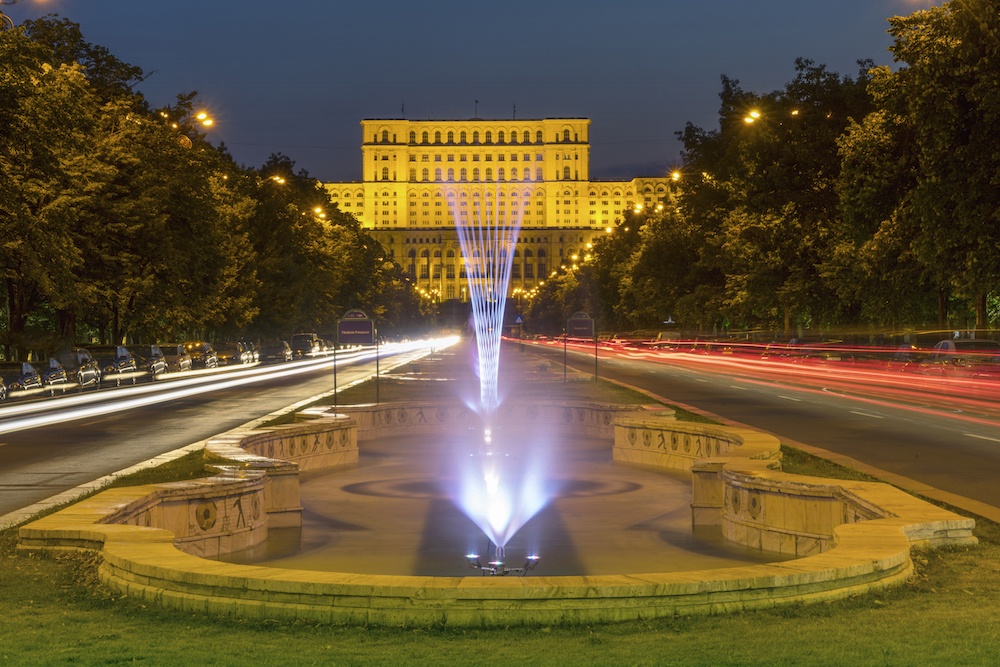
854	537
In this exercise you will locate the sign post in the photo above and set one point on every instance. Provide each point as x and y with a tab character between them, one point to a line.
355	329
580	325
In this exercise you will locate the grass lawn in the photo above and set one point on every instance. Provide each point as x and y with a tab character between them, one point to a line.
55	612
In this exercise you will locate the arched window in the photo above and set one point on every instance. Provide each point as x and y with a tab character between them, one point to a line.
424	137
424	253
475	137
424	175
513	173
412	254
437	252
451	175
500	174
413	137
437	174
528	254
462	137
538	138
513	136
565	173
489	137
489	174
462	175
451	137
542	253
517	253
385	136
413	174
565	135
527	137
437	137
385	173
538	174
500	137
475	174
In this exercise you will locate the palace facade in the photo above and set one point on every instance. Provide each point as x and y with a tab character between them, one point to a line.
419	177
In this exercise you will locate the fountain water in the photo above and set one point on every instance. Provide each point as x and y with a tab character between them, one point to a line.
501	484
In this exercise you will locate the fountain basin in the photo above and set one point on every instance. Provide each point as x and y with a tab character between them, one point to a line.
143	560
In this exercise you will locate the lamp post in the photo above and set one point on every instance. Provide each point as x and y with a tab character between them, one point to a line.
6	22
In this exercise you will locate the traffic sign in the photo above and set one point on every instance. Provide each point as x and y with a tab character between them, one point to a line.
355	329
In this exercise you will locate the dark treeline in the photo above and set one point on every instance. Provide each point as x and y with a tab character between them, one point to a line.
119	222
869	202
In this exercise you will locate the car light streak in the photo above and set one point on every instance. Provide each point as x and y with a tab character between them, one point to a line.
874	383
72	408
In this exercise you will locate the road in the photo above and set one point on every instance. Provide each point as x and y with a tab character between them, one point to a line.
37	463
947	448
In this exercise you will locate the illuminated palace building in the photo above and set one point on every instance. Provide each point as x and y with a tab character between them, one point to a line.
420	175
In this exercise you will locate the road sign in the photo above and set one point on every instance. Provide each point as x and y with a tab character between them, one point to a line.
518	320
355	329
580	326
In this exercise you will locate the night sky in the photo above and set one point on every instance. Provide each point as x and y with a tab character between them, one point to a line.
297	77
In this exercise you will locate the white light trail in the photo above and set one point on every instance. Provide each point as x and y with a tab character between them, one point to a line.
70	408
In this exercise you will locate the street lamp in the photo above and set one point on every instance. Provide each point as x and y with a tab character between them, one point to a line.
6	22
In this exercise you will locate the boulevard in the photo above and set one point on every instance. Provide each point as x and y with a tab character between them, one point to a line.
946	449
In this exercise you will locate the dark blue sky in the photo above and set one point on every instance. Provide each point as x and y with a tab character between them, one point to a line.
297	77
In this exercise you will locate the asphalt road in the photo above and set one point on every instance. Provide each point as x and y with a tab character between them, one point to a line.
38	463
949	450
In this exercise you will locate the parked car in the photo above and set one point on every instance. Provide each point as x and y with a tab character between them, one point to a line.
18	379
176	357
81	368
149	358
202	354
230	354
117	363
964	358
252	351
306	344
275	351
53	375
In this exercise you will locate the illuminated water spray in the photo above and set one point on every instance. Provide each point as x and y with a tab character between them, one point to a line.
488	239
501	485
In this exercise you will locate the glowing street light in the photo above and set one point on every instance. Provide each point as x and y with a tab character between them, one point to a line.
752	117
6	22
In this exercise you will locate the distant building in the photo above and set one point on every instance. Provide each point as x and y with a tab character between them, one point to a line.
418	176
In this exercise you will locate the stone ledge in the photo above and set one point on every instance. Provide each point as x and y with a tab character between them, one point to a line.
858	535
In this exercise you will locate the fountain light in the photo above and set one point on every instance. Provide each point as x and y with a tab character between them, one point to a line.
500	483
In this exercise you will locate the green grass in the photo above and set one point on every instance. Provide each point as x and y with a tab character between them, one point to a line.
56	613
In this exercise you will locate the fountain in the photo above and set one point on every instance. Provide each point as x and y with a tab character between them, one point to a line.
500	481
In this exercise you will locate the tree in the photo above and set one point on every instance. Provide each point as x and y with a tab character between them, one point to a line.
762	189
109	77
949	94
47	116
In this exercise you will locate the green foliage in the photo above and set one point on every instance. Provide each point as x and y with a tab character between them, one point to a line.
126	222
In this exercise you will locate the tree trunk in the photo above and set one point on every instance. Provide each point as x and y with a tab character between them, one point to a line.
788	320
18	315
981	323
942	309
